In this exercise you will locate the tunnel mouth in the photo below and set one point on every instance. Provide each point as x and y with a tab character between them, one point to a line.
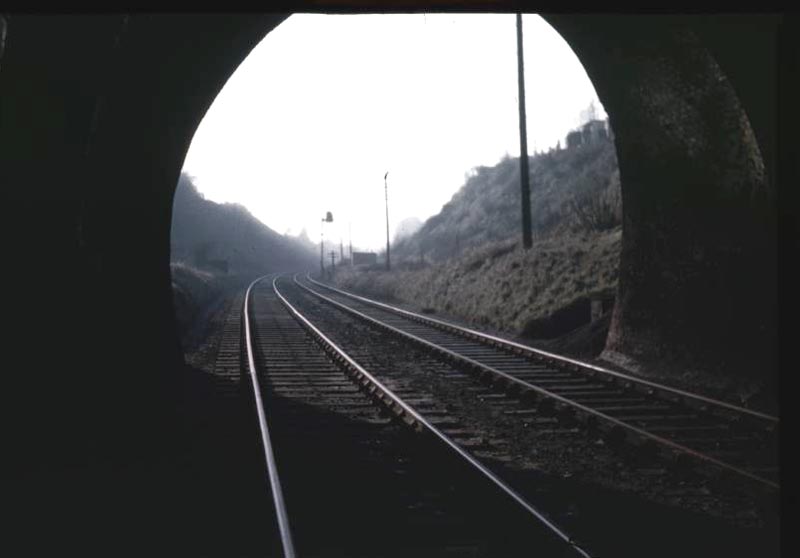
691	176
91	172
575	194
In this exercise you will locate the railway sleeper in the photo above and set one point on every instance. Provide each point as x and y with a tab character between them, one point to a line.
614	435
532	378
546	407
640	449
645	445
410	420
513	389
648	449
687	467
656	418
567	416
477	443
500	383
528	396
588	401
647	409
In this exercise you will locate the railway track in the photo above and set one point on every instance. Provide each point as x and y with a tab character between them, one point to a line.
692	432
355	470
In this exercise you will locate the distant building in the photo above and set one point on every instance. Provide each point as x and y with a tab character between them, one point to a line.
594	130
365	258
591	132
574	139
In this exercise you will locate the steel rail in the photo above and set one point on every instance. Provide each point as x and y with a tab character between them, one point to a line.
269	454
531	351
528	386
409	411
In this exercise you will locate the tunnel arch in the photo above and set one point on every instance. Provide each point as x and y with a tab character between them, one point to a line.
697	186
697	196
98	114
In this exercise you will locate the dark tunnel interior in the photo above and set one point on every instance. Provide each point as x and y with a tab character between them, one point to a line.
96	116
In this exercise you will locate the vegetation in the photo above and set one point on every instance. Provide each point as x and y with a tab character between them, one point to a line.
501	287
466	262
572	190
192	291
218	247
226	239
593	211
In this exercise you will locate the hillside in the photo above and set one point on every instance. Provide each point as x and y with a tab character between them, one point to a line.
226	238
573	189
467	263
541	293
218	247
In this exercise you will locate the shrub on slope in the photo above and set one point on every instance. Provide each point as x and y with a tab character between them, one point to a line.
499	286
571	190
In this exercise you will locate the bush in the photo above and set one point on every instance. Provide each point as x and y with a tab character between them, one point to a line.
593	212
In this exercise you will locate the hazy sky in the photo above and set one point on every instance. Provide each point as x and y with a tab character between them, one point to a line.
326	104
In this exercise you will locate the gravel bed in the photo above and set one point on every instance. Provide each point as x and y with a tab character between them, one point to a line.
537	451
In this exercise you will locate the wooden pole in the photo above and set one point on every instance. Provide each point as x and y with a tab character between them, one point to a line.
386	191
527	240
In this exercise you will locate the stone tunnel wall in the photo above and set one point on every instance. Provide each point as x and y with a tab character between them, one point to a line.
97	113
698	264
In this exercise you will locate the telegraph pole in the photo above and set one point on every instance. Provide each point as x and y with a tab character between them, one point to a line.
527	241
386	191
327	219
350	232
321	251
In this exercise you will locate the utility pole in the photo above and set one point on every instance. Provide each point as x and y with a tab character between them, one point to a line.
341	250
327	219
350	232
386	191
527	241
321	251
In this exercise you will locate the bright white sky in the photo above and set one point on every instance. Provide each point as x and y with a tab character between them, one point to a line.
326	104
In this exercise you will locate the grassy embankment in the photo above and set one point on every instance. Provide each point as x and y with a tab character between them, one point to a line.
466	262
539	293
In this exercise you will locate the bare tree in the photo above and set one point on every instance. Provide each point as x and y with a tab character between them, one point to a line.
596	212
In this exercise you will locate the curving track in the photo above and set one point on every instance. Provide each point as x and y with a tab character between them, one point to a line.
348	478
711	437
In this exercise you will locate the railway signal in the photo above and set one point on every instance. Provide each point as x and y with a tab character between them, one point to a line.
327	219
